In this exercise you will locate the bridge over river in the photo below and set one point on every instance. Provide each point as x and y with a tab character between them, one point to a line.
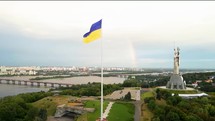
57	82
33	83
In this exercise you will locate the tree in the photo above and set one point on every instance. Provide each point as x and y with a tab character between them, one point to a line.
212	119
32	113
171	101
131	83
42	114
204	100
184	105
128	96
190	118
160	112
172	116
151	105
11	111
156	119
174	100
176	110
158	94
193	117
211	110
165	94
147	99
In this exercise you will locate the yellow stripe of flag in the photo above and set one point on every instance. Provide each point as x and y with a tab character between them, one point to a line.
94	33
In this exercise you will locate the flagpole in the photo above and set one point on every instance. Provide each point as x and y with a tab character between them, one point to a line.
101	81
89	37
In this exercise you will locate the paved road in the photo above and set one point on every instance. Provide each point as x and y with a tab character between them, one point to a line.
137	104
138	95
137	114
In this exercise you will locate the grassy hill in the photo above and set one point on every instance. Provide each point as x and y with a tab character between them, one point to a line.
121	111
96	114
51	103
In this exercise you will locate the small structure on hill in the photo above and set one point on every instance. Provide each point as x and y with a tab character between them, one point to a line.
176	80
64	109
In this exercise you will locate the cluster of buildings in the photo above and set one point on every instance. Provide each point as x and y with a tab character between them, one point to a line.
18	70
33	70
73	68
196	83
59	68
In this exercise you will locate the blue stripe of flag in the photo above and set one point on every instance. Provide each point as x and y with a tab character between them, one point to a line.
95	26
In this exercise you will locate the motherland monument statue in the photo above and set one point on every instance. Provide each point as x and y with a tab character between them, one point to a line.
176	80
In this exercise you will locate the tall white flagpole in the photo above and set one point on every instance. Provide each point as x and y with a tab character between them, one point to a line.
101	80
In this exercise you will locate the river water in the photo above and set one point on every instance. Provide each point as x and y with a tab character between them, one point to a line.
10	90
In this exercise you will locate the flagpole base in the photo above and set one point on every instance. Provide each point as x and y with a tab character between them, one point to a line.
99	119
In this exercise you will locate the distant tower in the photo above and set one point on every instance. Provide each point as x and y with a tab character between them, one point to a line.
176	80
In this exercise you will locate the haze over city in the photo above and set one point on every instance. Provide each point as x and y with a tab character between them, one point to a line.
135	34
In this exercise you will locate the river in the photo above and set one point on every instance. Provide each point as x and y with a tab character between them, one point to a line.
10	90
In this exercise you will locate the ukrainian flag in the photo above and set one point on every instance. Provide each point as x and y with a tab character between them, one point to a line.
94	33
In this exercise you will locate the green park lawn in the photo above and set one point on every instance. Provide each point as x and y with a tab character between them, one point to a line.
121	111
146	94
47	104
96	114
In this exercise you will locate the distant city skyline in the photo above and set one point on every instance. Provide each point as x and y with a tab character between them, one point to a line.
138	34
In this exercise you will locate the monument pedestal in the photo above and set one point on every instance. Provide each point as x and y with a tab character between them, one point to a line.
176	82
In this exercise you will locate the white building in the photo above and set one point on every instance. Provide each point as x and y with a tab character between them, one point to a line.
190	96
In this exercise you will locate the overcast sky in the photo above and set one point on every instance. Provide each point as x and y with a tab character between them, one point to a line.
135	34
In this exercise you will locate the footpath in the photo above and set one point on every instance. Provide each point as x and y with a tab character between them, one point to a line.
107	110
